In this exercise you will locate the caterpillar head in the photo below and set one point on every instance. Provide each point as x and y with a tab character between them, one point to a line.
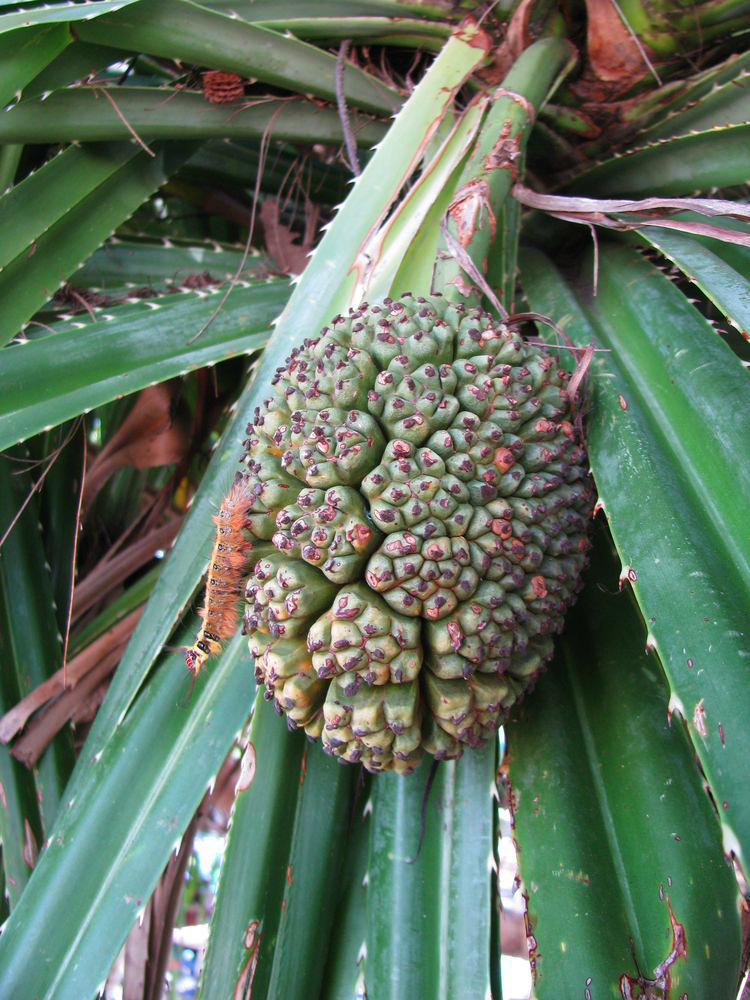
194	660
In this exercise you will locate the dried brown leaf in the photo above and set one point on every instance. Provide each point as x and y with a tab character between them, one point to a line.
88	707
111	572
164	905
289	256
136	959
645	212
517	38
78	668
615	60
148	437
44	727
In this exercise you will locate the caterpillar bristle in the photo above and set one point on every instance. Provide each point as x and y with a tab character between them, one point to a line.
224	579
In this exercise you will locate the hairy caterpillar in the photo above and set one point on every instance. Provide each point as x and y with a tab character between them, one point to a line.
224	580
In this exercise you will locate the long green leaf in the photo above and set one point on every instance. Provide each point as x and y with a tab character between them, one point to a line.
32	277
266	10
20	823
59	510
672	167
46	196
669	415
33	650
727	288
255	861
21	827
343	978
424	906
84	114
46	381
620	848
733	254
4	898
25	53
313	874
181	29
726	104
384	23
124	263
141	794
365	30
677	107
77	61
55	13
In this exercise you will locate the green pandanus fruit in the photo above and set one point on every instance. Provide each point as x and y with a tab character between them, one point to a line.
418	473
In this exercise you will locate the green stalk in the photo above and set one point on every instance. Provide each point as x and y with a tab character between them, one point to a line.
392	247
496	163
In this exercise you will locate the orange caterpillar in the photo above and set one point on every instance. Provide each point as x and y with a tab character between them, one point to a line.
224	581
